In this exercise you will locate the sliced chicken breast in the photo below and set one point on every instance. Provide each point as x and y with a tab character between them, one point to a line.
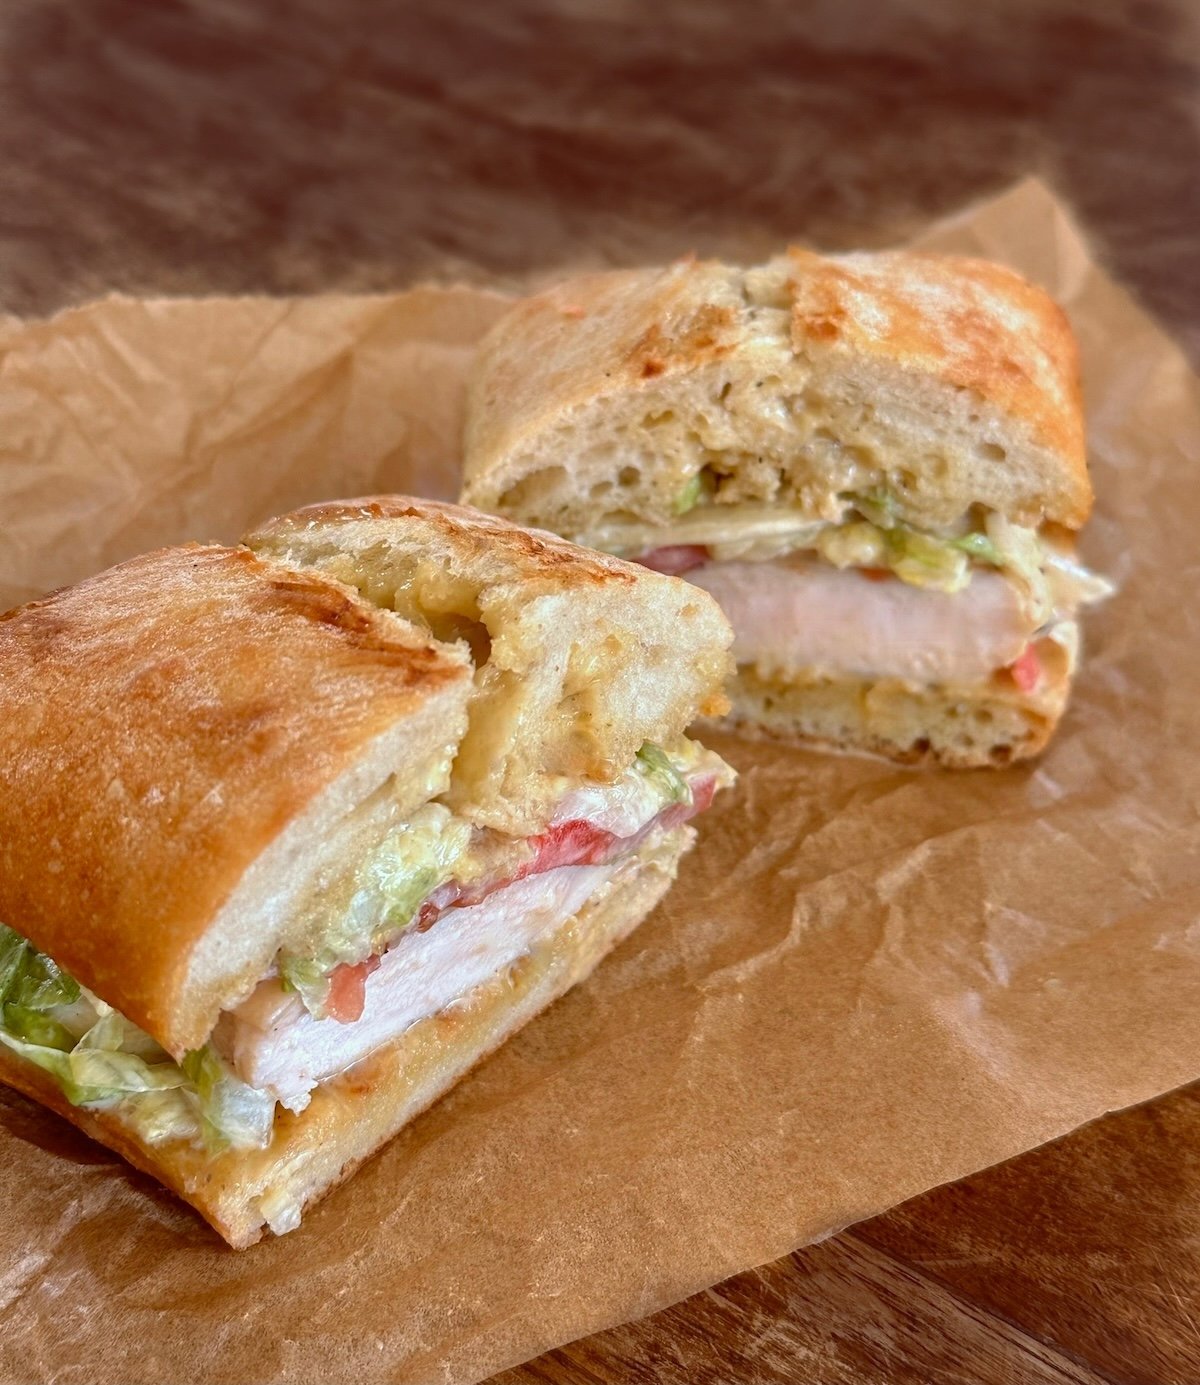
276	1045
789	616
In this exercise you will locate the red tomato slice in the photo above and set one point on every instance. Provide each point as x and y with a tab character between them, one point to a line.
427	915
574	843
1027	670
674	559
348	990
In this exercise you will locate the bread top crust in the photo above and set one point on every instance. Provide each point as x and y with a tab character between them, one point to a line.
977	326
910	332
580	657
486	549
591	337
165	721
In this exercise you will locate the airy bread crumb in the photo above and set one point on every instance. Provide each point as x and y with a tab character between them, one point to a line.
946	382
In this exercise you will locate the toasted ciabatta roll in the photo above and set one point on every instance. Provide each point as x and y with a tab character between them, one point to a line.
874	462
293	837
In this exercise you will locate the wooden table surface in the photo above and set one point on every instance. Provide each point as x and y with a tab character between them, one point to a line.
200	145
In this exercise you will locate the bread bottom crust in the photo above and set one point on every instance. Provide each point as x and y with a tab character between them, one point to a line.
350	1117
954	727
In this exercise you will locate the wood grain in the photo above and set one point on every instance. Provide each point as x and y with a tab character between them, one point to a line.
842	1314
205	145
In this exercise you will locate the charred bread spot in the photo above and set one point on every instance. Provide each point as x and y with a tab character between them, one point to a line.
366	627
319	601
981	326
707	335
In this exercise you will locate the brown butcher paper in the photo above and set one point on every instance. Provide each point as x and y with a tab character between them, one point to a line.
867	981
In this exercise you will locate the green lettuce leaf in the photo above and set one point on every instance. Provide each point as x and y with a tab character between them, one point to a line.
923	561
980	547
99	1058
36	1027
877	506
92	1076
165	1116
689	497
308	977
30	979
656	765
407	867
233	1113
12	959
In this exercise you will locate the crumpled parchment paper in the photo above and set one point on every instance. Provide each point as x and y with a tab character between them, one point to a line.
867	981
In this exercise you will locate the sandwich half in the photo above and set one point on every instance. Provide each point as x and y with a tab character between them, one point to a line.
874	462
293	834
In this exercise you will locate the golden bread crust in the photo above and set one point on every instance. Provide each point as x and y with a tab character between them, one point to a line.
475	539
978	326
165	721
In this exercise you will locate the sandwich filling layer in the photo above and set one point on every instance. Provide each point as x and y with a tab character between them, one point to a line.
275	1044
859	593
435	911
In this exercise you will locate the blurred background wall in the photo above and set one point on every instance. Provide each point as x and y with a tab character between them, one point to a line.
196	145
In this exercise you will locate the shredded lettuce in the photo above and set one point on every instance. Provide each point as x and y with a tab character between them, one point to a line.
1055	582
878	506
923	561
30	979
868	533
37	1027
308	977
101	1059
113	1032
916	558
689	497
413	861
13	949
656	765
165	1117
408	866
431	848
977	545
233	1113
96	1076
1019	550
